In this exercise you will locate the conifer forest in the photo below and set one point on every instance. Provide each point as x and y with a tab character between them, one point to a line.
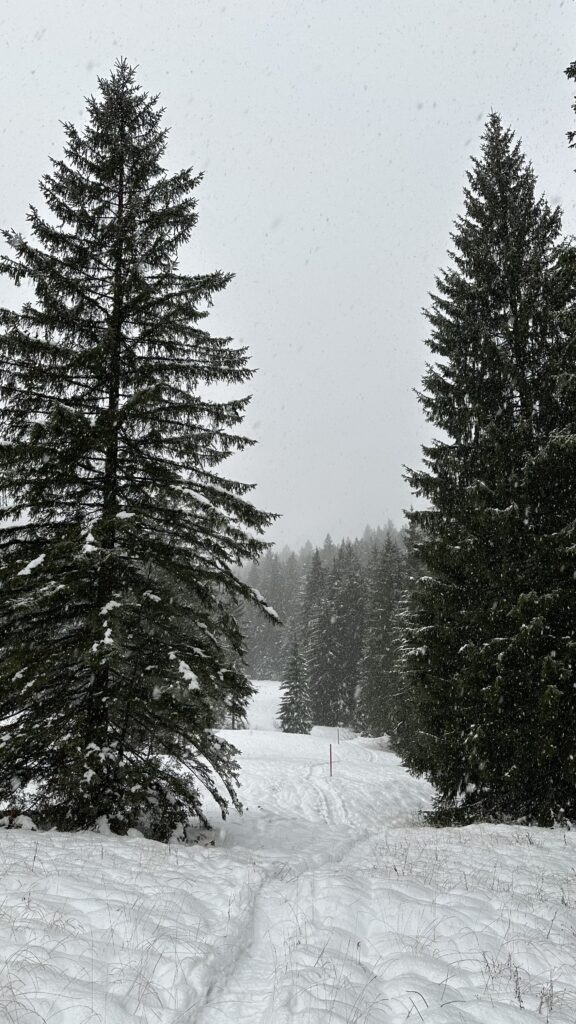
138	593
248	777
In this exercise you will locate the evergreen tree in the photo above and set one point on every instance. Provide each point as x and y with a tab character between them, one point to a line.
346	632
543	646
320	662
314	630
313	591
292	588
378	670
297	596
120	647
334	644
295	710
328	552
491	728
402	725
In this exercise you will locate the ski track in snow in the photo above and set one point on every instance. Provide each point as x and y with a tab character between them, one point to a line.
327	902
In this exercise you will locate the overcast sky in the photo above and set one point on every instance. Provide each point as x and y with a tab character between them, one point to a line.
334	137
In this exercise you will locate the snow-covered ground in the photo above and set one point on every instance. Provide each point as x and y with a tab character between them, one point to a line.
326	902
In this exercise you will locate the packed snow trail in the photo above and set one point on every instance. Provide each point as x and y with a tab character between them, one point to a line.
327	902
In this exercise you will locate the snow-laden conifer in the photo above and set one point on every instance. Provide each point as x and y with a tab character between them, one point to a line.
334	637
315	631
120	649
346	632
295	712
378	674
491	719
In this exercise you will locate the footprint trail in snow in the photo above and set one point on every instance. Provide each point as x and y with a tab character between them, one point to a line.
327	902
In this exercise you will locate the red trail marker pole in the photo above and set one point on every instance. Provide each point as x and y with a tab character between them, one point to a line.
330	760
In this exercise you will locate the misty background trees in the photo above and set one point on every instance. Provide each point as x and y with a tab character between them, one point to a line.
339	607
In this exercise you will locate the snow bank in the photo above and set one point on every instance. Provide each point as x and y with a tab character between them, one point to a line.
326	903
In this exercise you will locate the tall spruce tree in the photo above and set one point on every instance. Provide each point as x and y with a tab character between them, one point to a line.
120	647
346	632
319	660
489	711
311	627
295	709
332	627
378	674
545	641
402	728
312	592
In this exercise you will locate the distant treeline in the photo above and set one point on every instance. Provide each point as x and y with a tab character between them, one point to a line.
337	647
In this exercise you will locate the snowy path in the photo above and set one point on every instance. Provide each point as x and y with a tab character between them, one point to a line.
325	903
308	825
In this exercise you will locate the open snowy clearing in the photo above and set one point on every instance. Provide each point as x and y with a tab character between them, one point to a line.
325	902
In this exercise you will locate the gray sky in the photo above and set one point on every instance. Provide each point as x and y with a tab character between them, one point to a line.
334	137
